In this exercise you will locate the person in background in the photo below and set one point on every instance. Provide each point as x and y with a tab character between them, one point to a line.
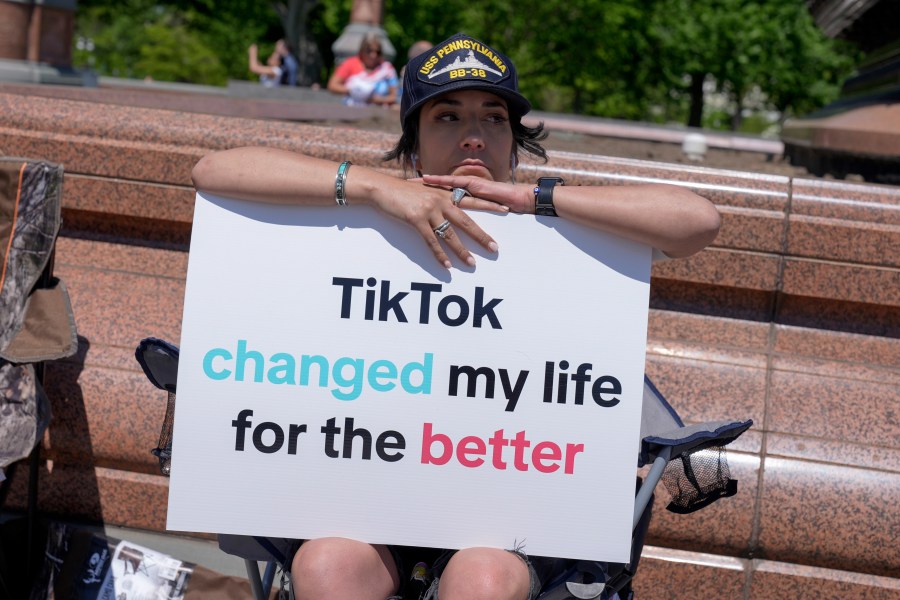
269	73
366	78
289	64
415	50
462	132
280	68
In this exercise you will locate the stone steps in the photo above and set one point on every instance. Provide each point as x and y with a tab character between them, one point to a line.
791	318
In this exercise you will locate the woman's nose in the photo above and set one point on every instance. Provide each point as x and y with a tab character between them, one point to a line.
473	139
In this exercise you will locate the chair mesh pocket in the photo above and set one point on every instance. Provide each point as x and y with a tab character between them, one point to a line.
163	450
697	479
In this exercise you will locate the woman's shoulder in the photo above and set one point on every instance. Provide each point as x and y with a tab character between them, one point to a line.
351	66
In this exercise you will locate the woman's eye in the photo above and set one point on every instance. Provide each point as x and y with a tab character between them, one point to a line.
497	119
447	117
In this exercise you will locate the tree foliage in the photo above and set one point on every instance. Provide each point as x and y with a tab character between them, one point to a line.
632	59
178	40
741	46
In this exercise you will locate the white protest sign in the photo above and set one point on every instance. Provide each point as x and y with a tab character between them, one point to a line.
334	380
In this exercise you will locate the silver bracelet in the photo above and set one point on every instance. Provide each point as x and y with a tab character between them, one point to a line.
340	183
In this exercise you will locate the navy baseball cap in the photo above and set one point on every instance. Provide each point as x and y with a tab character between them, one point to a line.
460	63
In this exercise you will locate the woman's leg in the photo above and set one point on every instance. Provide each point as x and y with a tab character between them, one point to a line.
342	569
485	574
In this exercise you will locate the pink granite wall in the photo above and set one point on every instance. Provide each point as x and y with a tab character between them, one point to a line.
791	318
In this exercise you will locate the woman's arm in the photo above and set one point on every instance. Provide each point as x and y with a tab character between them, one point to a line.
283	177
389	98
337	84
267	175
668	217
256	66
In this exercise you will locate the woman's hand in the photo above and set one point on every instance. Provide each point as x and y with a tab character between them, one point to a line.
670	218
296	179
487	194
426	208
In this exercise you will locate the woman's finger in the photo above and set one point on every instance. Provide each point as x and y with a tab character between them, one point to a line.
464	223
482	204
456	246
433	241
469	201
445	233
472	202
514	197
428	213
473	185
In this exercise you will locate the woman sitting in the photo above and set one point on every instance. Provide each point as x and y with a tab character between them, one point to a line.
366	78
461	116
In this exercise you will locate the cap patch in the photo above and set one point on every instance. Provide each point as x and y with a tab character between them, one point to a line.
461	60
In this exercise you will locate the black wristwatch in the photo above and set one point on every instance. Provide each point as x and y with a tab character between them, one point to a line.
543	196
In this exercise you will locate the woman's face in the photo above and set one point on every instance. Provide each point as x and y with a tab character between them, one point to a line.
465	133
371	55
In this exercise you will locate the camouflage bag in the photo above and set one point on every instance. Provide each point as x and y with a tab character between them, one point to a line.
36	320
24	412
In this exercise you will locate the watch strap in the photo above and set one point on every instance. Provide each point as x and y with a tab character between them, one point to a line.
543	196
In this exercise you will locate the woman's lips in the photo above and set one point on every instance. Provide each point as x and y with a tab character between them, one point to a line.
471	167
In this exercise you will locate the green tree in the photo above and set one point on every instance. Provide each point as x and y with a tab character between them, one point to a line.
806	68
169	51
588	58
177	40
408	21
296	19
108	41
631	59
742	45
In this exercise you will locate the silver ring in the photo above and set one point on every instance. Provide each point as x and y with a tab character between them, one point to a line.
458	195
441	230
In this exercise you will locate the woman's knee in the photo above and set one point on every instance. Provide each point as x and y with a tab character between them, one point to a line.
485	574
340	568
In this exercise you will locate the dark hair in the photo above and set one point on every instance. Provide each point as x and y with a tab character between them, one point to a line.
525	138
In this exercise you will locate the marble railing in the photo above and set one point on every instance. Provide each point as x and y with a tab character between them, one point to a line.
791	318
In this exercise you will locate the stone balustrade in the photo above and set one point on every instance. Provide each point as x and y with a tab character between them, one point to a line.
791	318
